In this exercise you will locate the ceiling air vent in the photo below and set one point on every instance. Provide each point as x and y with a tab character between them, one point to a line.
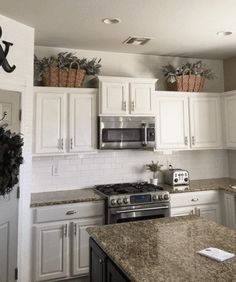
133	40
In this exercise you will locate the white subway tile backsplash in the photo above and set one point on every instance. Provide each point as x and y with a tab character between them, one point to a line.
86	170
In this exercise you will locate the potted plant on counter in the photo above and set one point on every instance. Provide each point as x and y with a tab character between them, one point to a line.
155	168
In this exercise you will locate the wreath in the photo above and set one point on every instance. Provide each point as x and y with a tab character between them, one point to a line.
10	159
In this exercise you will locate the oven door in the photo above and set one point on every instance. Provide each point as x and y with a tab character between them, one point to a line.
136	213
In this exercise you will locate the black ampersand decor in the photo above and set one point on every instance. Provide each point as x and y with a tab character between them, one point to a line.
3	55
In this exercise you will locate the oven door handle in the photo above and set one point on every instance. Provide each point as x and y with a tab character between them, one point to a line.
146	209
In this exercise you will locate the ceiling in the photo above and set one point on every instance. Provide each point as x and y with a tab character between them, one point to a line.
185	28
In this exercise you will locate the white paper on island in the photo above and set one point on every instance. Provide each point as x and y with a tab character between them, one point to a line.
216	254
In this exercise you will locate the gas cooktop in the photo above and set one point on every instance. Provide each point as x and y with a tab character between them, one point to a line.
127	188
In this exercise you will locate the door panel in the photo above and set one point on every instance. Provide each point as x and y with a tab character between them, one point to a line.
81	245
172	123
114	98
205	122
51	251
50	123
230	121
82	119
142	98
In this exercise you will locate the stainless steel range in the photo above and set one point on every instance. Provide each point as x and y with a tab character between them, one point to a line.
134	201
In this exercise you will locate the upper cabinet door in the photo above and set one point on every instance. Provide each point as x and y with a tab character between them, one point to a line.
114	98
50	123
205	122
172	122
82	122
142	98
230	121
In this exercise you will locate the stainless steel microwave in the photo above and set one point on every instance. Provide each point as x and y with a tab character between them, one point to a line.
126	132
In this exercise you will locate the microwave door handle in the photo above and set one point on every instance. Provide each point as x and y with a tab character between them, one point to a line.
144	127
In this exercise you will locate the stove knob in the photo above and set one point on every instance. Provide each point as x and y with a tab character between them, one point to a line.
160	197
119	201
166	197
113	202
125	201
155	198
176	180
186	179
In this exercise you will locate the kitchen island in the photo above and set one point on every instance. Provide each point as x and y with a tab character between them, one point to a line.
161	250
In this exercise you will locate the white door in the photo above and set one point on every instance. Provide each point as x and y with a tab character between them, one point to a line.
211	212
230	121
51	251
10	104
80	247
172	122
114	98
205	122
82	122
230	210
50	123
142	98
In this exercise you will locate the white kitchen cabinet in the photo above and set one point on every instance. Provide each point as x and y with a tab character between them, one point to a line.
230	210
188	121
230	119
172	122
120	96
65	120
202	203
80	246
82	122
51	251
50	122
205	122
60	239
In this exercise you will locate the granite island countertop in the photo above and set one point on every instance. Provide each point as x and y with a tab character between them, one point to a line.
162	250
64	197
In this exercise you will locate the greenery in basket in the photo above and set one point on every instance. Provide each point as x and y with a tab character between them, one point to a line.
170	72
154	167
10	159
65	60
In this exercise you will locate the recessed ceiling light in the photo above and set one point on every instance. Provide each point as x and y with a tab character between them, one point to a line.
111	21
224	33
133	40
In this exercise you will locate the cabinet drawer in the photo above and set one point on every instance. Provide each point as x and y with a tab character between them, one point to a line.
194	198
68	212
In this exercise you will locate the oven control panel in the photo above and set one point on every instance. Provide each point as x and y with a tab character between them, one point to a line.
136	199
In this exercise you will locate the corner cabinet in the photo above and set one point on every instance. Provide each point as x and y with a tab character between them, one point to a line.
126	96
60	239
188	121
65	120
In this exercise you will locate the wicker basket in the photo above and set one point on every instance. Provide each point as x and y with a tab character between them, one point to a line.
188	83
56	77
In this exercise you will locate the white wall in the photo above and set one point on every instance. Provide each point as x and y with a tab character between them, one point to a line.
21	80
133	65
110	167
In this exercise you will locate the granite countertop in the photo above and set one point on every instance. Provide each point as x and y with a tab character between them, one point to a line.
162	250
64	197
204	185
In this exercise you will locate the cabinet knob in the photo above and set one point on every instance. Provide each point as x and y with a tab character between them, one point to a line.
132	106
71	143
194	199
71	212
124	106
186	140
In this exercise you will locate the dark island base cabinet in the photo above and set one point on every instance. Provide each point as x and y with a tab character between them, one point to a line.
102	269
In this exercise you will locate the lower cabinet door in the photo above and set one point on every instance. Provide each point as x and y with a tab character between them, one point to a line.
80	245
211	212
51	251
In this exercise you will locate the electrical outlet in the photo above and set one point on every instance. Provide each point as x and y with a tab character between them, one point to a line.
55	170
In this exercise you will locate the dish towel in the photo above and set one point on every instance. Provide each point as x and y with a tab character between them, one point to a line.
216	254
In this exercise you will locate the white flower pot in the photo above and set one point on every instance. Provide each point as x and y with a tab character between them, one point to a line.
154	181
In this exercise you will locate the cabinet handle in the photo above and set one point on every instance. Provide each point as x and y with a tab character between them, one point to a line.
100	261
71	143
124	106
65	230
186	140
75	229
59	144
194	199
71	212
193	140
191	213
197	211
62	143
132	106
